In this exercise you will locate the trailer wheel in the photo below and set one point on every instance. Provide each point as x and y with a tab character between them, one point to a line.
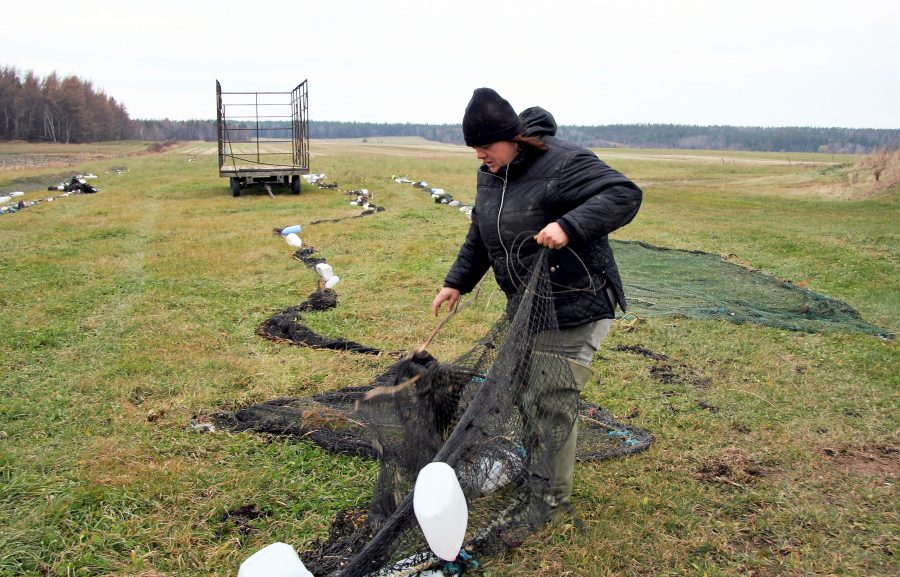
295	185
235	187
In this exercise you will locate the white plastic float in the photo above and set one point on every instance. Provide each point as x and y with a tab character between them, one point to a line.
325	271
293	240
275	560
440	508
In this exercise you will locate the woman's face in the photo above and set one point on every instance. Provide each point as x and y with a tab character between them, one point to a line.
496	155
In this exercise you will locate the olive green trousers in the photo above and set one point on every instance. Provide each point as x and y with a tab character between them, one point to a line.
553	467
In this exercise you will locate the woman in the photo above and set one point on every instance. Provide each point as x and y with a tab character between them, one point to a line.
532	184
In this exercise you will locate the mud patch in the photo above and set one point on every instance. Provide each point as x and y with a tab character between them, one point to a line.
706	406
242	518
878	461
641	351
732	467
667	371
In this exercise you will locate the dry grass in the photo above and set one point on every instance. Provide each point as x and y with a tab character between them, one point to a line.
879	170
126	314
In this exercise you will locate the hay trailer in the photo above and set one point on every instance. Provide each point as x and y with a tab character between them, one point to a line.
263	138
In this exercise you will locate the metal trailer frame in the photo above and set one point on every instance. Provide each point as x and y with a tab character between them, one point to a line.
263	137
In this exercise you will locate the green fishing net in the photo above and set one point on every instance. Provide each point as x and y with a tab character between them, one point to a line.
663	282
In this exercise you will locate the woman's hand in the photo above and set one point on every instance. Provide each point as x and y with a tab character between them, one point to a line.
552	236
450	295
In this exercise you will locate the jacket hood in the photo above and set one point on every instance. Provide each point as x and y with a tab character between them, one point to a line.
538	122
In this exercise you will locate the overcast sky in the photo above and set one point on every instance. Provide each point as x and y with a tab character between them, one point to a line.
703	62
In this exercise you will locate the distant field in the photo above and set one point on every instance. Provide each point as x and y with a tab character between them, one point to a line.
729	156
128	315
27	155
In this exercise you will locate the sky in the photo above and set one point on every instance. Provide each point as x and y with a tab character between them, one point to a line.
700	62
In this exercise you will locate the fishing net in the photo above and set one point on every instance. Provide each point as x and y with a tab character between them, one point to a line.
500	412
694	284
498	415
328	420
285	326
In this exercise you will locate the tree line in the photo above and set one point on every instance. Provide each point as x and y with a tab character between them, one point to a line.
757	138
676	136
58	109
70	110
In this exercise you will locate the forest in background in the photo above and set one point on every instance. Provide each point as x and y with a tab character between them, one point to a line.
769	139
58	109
70	110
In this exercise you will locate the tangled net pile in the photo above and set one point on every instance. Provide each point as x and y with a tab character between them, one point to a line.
497	415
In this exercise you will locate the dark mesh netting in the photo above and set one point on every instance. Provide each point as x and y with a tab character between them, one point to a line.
670	282
285	326
497	415
328	421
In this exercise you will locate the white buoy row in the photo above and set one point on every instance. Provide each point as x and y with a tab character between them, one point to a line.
362	198
11	203
326	273
439	195
291	235
313	178
10	195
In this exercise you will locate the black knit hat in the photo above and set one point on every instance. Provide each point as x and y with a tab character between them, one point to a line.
489	118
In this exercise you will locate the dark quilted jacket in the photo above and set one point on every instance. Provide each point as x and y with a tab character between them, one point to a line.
567	184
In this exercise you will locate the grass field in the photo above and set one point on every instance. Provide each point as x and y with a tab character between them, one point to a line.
128	313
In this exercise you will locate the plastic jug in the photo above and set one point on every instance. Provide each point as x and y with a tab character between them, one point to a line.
275	560
440	508
325	271
293	240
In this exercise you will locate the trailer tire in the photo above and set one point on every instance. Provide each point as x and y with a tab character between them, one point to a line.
235	187
295	185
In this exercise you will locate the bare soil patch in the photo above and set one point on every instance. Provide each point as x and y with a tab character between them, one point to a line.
734	467
878	461
23	156
242	517
667	371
